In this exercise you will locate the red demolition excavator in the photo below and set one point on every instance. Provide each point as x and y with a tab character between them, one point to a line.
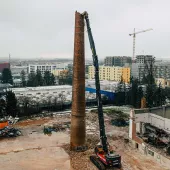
104	157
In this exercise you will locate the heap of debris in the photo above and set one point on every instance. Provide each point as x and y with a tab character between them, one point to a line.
80	160
7	128
49	128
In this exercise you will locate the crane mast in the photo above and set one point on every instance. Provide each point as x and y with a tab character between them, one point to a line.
134	39
103	137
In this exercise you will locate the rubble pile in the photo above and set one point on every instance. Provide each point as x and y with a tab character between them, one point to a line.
80	160
7	128
9	132
92	141
92	116
49	128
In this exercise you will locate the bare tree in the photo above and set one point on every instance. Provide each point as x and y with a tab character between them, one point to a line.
62	98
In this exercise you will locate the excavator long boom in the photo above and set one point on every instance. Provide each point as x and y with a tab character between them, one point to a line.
103	137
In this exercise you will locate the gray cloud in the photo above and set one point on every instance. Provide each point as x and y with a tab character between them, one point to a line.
45	28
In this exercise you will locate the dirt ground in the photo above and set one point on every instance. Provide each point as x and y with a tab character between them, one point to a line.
36	151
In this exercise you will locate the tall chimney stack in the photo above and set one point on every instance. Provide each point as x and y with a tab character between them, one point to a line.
78	90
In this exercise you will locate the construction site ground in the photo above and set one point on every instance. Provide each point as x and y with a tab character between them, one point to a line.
36	151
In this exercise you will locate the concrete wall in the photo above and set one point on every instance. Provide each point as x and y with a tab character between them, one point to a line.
153	119
163	111
144	149
158	117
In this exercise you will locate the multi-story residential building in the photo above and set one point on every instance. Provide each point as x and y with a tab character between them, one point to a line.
126	74
117	61
141	66
162	70
19	69
143	58
109	61
111	73
43	68
60	72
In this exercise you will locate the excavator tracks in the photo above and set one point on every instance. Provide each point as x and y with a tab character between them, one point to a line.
97	163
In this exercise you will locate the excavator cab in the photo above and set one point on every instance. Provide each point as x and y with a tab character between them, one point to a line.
113	160
110	159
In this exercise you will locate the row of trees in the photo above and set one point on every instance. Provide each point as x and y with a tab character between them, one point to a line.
34	79
155	96
37	79
9	105
147	88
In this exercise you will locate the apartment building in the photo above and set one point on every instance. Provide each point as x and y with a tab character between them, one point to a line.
143	58
60	72
117	61
19	69
126	74
43	68
141	66
162	70
111	73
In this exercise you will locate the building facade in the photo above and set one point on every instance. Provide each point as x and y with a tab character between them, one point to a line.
143	58
43	68
59	72
162	70
19	69
117	61
111	73
126	74
142	65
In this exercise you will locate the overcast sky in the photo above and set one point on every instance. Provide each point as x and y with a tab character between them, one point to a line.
45	28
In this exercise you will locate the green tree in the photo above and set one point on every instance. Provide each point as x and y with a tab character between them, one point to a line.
65	79
52	79
23	78
26	102
32	81
49	78
2	107
167	92
150	94
159	96
39	78
7	76
134	92
139	96
11	103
